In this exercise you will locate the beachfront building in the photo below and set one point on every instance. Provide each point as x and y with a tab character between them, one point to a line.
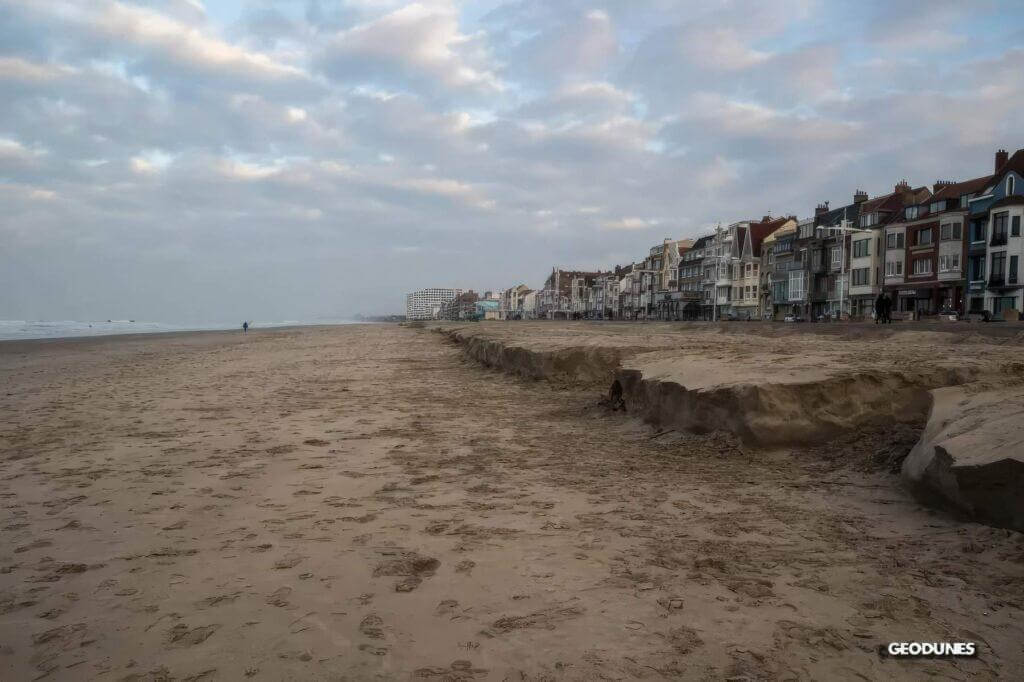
867	244
529	306
717	280
628	295
562	291
776	261
512	302
746	280
690	276
1000	207
426	304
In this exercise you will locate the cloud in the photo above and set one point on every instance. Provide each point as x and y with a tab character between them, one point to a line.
188	159
631	223
414	42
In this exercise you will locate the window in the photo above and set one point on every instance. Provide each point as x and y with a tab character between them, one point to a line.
868	219
977	272
924	237
978	230
998	267
965	200
1012	279
1015	226
861	248
949	263
894	268
937	206
836	256
894	240
912	212
796	286
1009	185
999	221
950	231
923	266
861	277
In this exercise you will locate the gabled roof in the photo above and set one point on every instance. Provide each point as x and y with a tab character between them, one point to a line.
760	231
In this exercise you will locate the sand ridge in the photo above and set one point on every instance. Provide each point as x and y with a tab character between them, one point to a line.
363	502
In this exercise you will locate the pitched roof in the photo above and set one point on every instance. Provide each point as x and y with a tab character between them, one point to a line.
703	241
958	189
759	231
1014	163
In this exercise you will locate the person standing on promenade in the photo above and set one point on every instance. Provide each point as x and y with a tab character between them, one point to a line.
887	308
245	327
880	309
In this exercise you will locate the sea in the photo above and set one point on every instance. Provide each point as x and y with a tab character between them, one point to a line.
59	329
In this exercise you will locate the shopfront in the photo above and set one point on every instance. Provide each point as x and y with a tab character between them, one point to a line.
919	301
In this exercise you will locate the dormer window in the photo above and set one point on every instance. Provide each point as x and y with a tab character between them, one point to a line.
937	206
1009	185
912	212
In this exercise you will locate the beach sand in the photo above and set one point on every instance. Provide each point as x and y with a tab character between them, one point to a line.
364	502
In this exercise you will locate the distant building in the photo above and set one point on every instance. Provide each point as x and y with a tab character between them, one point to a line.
426	304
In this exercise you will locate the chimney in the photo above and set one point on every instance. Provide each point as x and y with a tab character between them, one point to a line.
1001	159
860	196
820	208
939	184
902	186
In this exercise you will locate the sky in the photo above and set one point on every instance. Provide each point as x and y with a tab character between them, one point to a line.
192	161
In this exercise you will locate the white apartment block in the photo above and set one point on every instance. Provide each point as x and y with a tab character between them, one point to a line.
426	303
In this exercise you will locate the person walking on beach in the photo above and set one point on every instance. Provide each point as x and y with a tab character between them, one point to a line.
245	327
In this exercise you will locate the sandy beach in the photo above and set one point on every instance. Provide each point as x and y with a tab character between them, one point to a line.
366	502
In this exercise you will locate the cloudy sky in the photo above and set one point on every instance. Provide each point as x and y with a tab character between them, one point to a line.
213	160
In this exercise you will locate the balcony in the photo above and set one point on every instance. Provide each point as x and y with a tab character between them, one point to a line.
998	239
997	281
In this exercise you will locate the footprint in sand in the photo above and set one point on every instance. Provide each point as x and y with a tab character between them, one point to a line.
182	635
410	566
289	561
279	597
372	626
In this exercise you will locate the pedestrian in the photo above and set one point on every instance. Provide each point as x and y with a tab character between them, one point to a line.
880	309
887	309
245	327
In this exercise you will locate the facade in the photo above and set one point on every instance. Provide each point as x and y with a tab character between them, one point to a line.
426	304
999	209
512	302
717	268
562	293
868	245
935	250
690	278
776	264
462	307
746	279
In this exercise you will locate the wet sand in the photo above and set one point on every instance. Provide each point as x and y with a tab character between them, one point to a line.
363	502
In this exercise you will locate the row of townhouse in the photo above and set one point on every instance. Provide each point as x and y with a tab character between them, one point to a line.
953	247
